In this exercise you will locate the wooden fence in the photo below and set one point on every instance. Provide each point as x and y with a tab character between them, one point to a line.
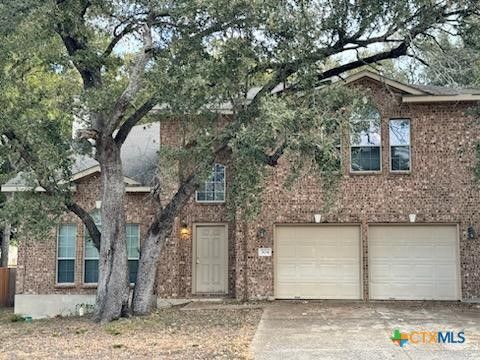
7	286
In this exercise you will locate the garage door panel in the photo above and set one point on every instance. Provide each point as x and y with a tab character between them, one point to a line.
306	252
323	262
413	262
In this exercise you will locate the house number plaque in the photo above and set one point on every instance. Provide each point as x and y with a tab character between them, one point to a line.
264	251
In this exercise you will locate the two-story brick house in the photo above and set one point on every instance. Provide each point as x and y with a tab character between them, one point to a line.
404	225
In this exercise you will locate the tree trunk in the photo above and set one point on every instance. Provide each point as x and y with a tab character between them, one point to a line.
113	285
143	296
144	300
5	245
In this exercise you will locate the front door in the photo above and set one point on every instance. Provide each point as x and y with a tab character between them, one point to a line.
210	259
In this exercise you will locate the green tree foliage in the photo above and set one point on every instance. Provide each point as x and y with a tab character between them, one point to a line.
266	66
35	119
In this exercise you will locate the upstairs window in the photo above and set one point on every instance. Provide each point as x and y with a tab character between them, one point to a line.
213	190
90	273
365	142
66	249
400	152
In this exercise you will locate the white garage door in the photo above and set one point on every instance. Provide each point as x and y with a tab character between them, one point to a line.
413	262
317	262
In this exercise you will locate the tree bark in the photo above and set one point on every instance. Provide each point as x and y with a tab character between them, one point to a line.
144	300
143	297
5	245
113	285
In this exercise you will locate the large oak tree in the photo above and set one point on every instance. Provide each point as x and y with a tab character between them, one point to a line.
113	62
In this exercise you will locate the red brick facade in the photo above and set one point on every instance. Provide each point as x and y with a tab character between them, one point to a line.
36	267
441	188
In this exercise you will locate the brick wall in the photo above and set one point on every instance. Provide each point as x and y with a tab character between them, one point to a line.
440	187
36	268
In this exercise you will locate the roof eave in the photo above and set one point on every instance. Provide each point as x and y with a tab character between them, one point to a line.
441	98
379	78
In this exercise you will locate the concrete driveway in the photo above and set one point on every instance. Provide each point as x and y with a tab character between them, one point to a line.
360	330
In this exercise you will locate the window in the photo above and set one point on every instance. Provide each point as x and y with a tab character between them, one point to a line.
399	130
90	273
66	248
133	244
92	255
365	142
213	190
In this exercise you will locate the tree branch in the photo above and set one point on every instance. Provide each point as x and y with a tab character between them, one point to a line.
138	115
87	221
52	189
272	160
134	84
117	37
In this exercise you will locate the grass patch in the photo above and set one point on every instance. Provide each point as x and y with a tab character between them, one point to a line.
16	318
112	329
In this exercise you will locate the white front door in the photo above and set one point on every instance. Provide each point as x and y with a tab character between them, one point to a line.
413	262
317	262
211	259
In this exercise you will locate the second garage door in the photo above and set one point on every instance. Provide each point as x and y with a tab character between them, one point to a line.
413	262
317	262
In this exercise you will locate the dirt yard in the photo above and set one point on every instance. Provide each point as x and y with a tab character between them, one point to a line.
198	332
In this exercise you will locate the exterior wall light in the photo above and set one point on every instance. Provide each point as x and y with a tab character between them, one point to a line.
412	217
98	204
261	233
184	232
317	218
471	234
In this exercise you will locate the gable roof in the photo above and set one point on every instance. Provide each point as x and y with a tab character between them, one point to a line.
366	74
139	159
419	93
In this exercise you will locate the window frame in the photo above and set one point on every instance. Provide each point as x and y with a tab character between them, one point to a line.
409	146
138	238
224	188
57	258
85	234
380	149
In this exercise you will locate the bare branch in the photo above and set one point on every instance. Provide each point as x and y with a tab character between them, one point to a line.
138	115
87	221
134	84
117	37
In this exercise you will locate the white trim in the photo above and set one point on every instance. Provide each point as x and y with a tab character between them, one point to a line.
77	176
81	174
96	168
145	189
441	98
9	189
377	77
21	188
